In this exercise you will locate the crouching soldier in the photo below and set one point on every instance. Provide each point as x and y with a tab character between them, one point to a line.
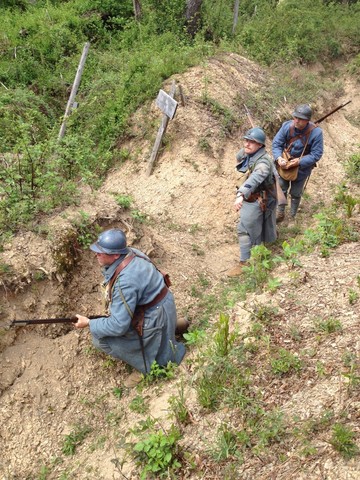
141	322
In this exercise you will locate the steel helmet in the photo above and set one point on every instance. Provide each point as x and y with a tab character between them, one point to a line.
256	134
110	241
303	111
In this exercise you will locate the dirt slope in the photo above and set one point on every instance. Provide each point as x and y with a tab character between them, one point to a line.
51	379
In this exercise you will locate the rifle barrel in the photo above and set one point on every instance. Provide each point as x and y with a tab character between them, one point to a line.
332	111
43	321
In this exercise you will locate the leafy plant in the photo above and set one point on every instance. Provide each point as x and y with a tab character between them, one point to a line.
352	167
158	372
353	296
138	216
178	406
124	201
285	362
260	264
138	405
343	441
195	337
330	325
74	439
158	453
223	339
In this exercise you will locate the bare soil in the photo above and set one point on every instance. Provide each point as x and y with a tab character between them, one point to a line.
52	380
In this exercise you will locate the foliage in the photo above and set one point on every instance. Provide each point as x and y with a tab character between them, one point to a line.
157	453
74	439
330	232
178	406
285	362
343	441
223	339
157	372
352	167
330	325
302	32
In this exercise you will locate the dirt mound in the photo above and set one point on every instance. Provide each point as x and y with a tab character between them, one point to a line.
52	380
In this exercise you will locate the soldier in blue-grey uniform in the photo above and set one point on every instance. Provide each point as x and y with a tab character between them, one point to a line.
133	285
303	142
256	198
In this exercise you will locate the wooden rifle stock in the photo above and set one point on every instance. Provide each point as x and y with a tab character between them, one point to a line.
43	321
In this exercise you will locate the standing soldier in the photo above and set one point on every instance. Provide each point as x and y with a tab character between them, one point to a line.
296	148
256	197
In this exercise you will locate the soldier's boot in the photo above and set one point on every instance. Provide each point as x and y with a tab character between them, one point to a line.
133	379
280	214
182	326
236	271
295	202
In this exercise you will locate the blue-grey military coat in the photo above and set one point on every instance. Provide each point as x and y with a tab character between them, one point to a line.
138	284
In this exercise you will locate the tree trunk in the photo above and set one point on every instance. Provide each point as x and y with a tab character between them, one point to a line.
192	15
137	9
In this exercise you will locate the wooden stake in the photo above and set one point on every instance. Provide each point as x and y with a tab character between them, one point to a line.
74	89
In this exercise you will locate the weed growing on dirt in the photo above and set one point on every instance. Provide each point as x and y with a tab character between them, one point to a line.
125	201
352	168
74	439
226	444
228	120
195	337
138	216
178	406
285	362
86	229
139	405
260	264
223	339
328	326
158	372
353	296
330	232
343	441
157	453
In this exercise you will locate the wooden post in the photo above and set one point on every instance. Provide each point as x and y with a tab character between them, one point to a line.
160	134
236	15
74	89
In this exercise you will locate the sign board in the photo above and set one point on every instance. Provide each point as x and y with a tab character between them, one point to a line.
166	104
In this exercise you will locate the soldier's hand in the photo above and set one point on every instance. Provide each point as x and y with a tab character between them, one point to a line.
282	162
238	203
294	162
82	322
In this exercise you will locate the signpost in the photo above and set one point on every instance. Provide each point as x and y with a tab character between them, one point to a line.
168	106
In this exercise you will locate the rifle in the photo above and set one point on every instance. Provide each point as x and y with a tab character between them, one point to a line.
43	321
317	123
282	200
332	111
